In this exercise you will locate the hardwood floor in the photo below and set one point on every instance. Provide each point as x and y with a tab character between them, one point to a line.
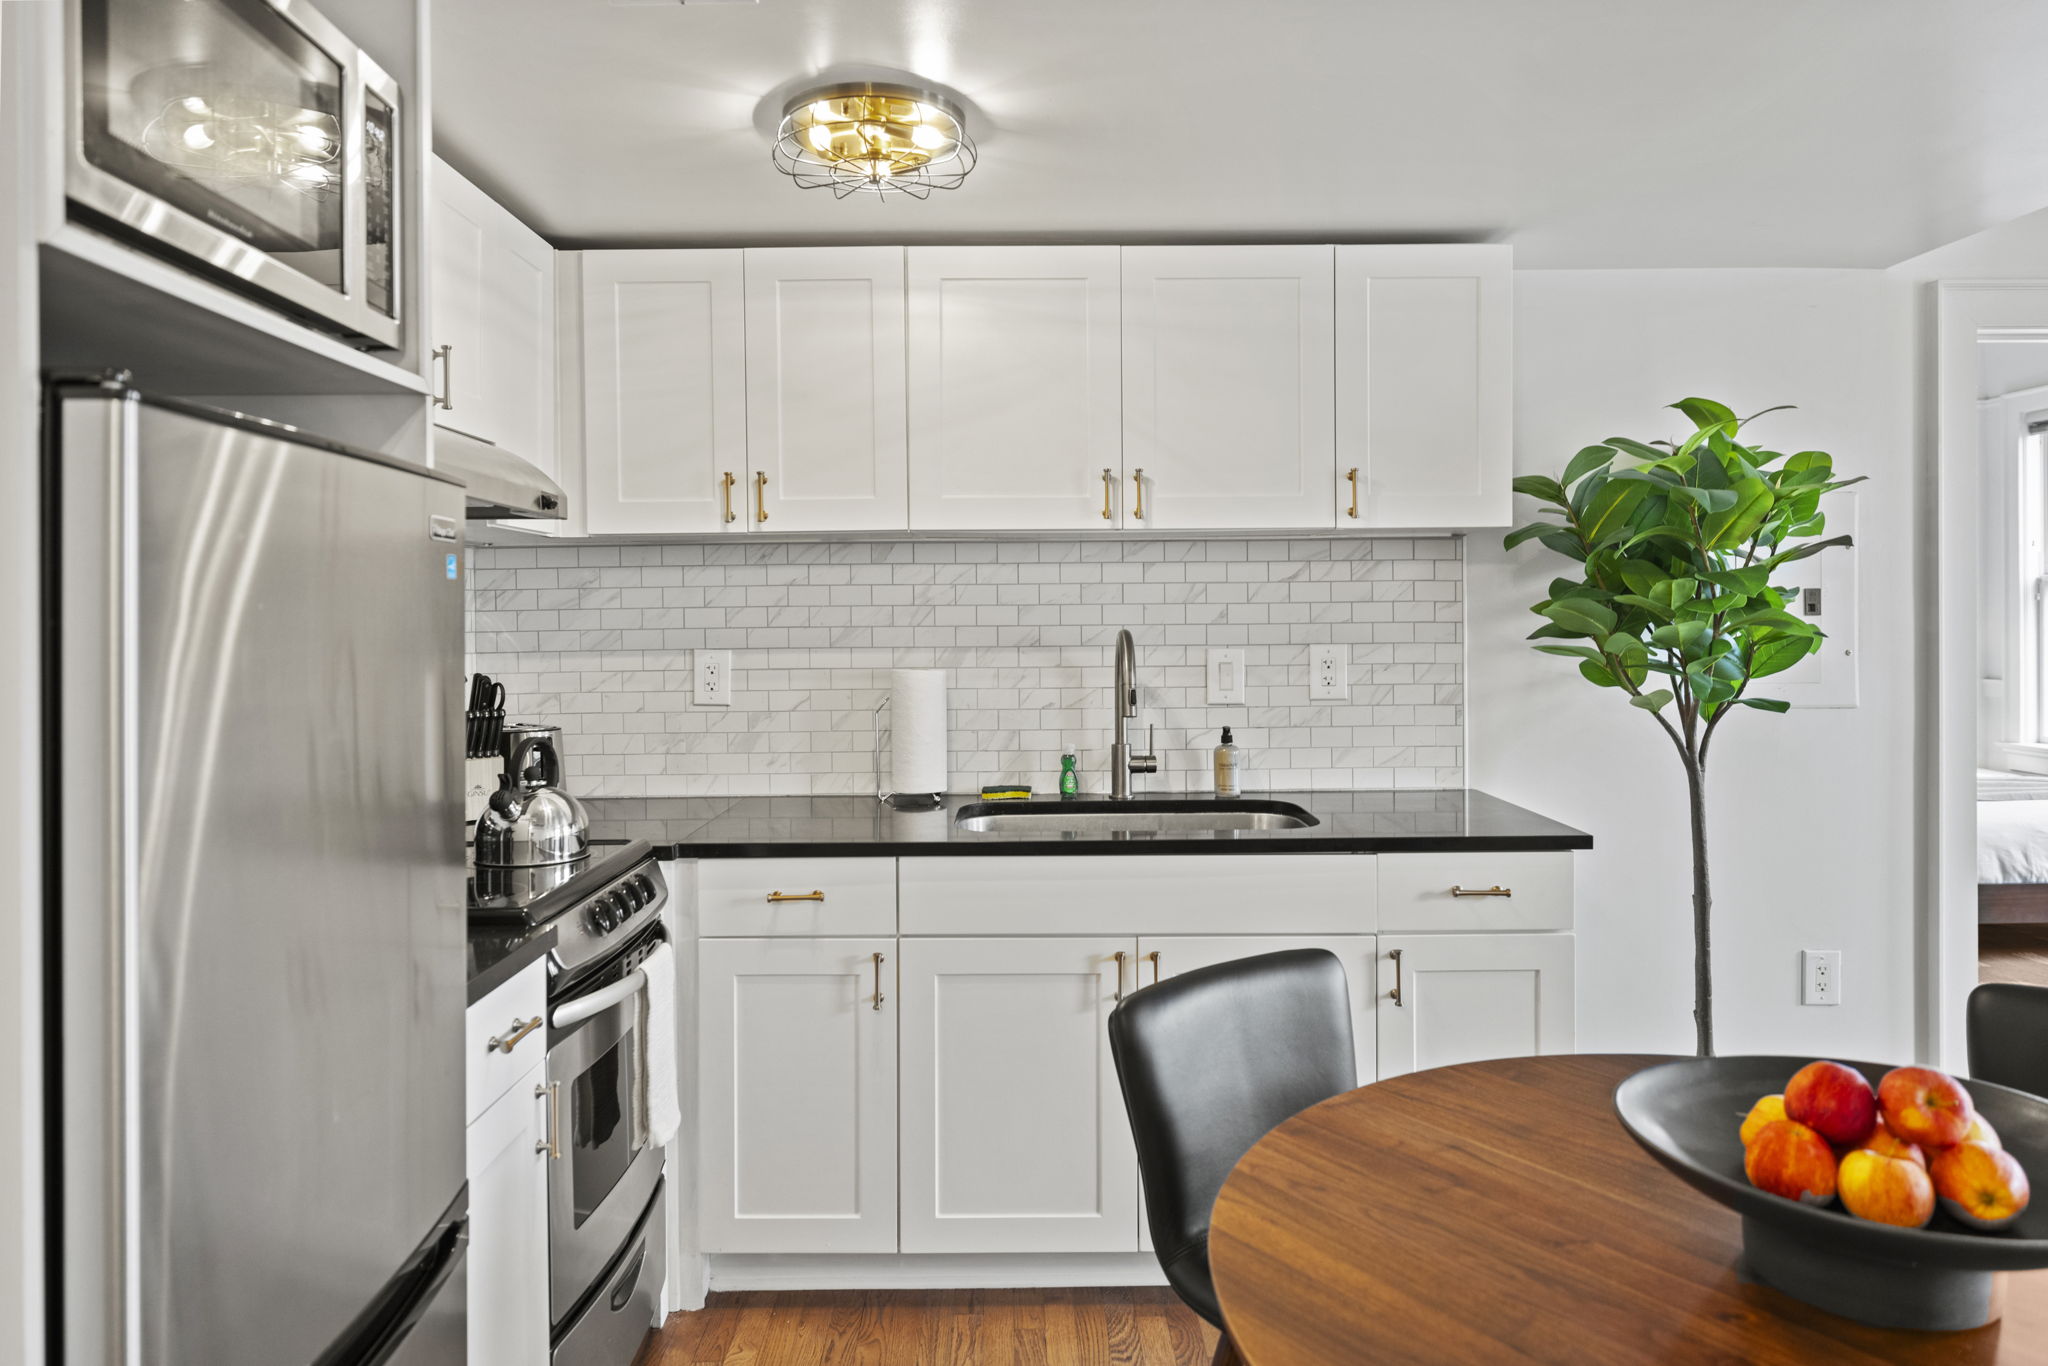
1142	1326
2013	953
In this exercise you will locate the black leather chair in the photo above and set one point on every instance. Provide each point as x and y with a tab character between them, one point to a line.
1210	1060
2008	1033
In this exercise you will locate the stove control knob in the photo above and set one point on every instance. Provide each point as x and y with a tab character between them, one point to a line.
628	896
601	916
646	886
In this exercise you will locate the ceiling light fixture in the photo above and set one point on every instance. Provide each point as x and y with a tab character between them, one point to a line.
865	138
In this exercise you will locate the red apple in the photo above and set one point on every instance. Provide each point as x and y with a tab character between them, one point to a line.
1982	1132
1885	1143
1924	1106
1834	1101
1789	1159
1886	1190
1765	1111
1983	1187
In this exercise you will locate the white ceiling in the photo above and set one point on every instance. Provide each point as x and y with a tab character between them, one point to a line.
1598	133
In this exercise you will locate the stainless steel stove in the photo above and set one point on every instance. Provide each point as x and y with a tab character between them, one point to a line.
607	1231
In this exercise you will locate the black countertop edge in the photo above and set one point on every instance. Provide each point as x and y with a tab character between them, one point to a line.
1456	820
498	953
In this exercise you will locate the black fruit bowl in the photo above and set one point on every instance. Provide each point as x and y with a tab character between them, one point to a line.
1688	1115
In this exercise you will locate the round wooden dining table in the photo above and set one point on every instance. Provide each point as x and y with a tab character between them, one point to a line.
1498	1211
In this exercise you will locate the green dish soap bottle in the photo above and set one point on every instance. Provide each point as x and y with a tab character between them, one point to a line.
1070	781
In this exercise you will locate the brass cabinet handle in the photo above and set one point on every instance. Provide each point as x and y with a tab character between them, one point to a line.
1154	956
761	496
552	1144
1119	974
1138	478
1108	486
445	355
510	1040
879	998
774	897
1396	954
1495	890
725	492
1353	477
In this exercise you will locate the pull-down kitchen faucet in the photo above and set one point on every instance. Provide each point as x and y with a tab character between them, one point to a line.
1123	763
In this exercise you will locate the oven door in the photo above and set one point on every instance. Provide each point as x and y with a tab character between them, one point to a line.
607	1167
249	136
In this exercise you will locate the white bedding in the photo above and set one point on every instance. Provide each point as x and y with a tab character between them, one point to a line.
2012	841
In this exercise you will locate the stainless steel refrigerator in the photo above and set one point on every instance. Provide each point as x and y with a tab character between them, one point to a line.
256	911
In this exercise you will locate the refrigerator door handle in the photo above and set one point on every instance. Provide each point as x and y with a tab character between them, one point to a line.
382	1328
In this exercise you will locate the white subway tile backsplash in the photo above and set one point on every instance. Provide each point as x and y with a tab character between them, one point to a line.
598	640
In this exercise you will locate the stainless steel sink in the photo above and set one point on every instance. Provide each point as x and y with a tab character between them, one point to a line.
1135	818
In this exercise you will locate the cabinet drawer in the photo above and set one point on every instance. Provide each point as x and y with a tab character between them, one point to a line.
1140	894
492	1060
1416	892
812	896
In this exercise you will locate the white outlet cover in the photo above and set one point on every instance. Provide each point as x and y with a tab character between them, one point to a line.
1820	977
1226	677
713	674
1329	673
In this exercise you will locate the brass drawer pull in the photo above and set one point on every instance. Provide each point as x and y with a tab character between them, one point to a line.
1353	477
1119	974
725	493
879	998
552	1144
1154	956
520	1029
774	897
446	356
1396	993
761	497
1138	478
1107	485
1495	890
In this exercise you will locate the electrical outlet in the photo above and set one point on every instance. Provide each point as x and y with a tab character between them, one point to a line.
1820	975
1226	677
1329	673
714	678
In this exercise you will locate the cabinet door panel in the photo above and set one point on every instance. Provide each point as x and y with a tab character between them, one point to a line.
1161	957
508	1228
1425	384
825	400
1228	409
798	1070
1014	1134
518	342
1016	403
456	290
664	390
1467	997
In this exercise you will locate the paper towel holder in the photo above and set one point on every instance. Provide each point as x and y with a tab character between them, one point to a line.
899	801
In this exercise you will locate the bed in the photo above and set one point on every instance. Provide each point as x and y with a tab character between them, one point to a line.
2012	848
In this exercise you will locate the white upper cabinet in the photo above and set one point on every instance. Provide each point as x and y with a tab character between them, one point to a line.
1228	408
492	293
665	435
1425	388
826	443
1016	403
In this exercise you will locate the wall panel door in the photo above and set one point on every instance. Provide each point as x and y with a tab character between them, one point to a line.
664	391
1016	389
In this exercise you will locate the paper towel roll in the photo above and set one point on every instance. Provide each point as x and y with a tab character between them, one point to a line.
917	731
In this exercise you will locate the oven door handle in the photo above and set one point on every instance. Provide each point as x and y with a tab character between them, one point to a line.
578	1009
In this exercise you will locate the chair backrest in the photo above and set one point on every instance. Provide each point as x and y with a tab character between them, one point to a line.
1210	1060
2008	1030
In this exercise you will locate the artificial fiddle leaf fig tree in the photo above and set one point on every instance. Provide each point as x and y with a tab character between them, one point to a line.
1671	601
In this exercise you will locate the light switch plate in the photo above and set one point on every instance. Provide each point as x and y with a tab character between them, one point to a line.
1329	673
1226	677
713	669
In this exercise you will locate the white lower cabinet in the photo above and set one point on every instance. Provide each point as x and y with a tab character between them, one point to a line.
1014	1137
507	1162
1163	957
1452	998
797	1068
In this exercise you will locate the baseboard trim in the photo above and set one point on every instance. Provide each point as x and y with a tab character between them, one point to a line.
931	1271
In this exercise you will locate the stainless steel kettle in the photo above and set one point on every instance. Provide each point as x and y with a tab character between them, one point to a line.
530	822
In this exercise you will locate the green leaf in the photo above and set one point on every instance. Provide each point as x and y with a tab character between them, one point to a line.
1638	449
1583	615
1745	582
1684	636
1704	412
1709	501
1541	486
1571	651
1607	512
1774	408
1805	551
1763	703
1597	675
1730	527
1775	654
1652	701
1585	462
1525	533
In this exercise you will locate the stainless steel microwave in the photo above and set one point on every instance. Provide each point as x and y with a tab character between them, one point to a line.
249	140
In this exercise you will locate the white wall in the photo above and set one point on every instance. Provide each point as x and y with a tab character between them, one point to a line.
1812	814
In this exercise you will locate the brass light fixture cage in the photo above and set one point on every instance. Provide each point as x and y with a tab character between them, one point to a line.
861	137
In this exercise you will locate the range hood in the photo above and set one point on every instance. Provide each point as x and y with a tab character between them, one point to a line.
499	483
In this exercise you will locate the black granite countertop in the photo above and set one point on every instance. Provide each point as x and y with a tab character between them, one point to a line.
499	951
1382	821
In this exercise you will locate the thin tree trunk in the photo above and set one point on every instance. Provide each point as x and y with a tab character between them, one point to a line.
1702	911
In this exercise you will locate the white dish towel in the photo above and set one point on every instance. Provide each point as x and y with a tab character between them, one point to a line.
658	1037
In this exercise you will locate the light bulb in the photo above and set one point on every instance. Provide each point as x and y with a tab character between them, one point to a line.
197	137
821	112
312	137
819	137
928	137
192	104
